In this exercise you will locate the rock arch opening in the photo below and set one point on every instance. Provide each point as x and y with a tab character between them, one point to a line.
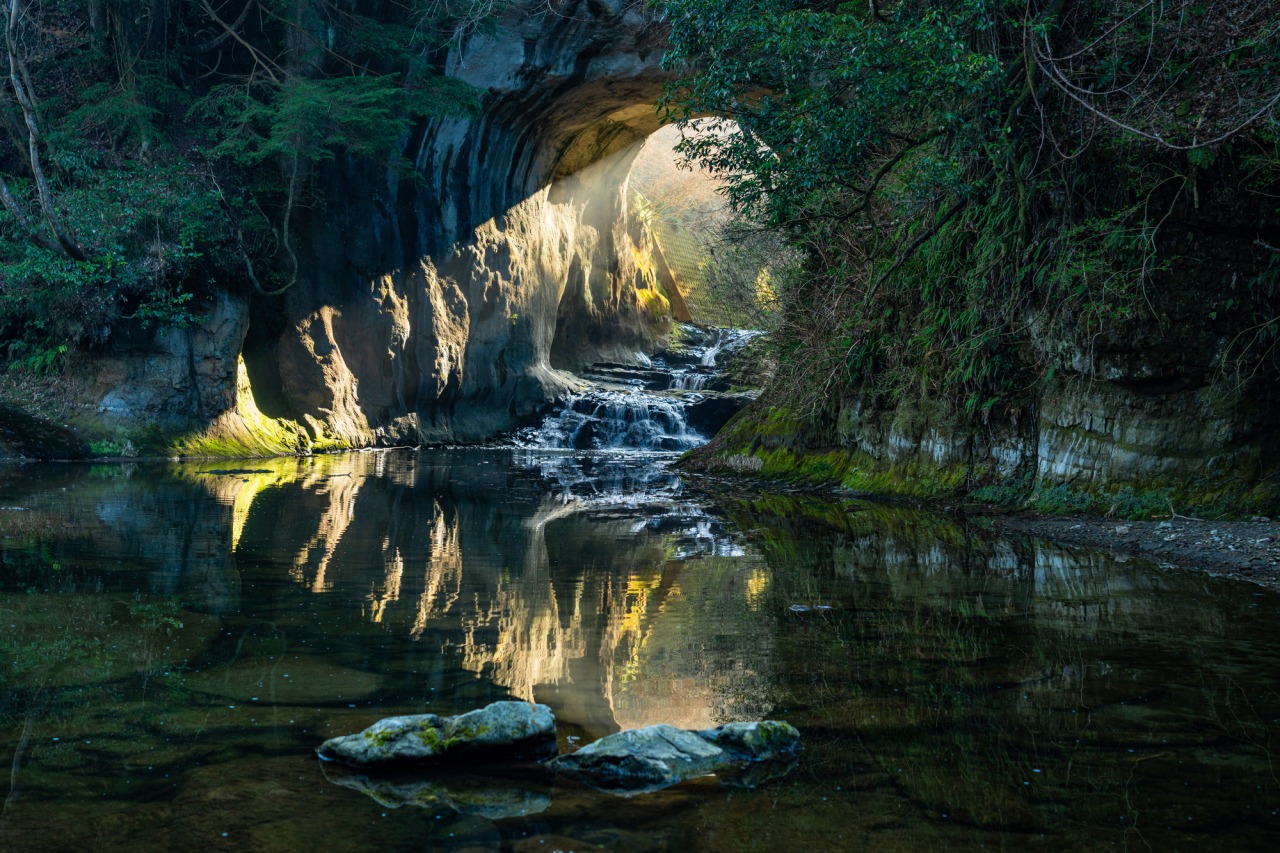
457	302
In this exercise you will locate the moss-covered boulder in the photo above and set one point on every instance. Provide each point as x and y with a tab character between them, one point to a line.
654	757
501	731
762	741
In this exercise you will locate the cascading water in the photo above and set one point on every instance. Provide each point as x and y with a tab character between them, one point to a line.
609	420
645	407
610	448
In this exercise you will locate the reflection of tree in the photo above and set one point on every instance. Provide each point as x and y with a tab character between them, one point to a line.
1015	686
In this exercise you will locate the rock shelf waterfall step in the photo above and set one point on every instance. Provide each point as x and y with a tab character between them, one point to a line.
672	402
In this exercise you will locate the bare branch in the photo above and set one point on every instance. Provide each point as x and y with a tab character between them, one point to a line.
259	59
218	40
1046	64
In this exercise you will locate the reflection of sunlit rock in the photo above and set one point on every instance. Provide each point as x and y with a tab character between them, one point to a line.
239	488
532	645
604	604
391	586
699	653
617	629
338	515
443	581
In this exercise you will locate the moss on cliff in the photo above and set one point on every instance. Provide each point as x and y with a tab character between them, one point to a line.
774	443
244	431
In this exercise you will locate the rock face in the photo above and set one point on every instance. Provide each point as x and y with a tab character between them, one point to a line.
657	756
462	298
448	306
503	730
443	307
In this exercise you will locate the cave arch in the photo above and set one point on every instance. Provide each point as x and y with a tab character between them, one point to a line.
434	316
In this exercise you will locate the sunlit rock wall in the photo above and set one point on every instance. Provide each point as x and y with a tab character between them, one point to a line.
446	303
449	306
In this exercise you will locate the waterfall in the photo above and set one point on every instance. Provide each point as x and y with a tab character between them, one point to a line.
644	406
609	420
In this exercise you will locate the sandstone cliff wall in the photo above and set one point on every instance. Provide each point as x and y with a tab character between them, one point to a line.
446	305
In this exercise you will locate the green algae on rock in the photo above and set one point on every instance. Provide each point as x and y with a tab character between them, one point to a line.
501	730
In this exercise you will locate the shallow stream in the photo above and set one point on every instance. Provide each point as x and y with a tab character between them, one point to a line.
176	639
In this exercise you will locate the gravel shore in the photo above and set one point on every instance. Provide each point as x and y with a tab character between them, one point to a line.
1248	550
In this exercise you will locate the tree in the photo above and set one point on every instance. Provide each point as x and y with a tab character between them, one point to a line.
57	239
952	169
175	144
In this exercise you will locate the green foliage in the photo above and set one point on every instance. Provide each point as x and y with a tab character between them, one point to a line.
971	214
150	230
1062	499
176	149
38	362
818	91
315	119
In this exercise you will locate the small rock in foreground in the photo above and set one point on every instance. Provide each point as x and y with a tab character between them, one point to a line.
654	757
501	731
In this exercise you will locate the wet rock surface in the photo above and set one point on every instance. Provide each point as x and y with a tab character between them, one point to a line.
1248	550
655	757
501	731
667	405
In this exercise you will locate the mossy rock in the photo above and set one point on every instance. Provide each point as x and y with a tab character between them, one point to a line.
501	731
654	757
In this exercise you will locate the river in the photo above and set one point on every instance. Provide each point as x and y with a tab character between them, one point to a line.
177	638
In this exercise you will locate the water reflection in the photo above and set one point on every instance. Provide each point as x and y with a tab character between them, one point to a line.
575	582
178	638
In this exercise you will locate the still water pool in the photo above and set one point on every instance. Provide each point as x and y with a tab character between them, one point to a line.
176	639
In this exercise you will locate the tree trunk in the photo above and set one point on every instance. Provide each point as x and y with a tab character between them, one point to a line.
17	75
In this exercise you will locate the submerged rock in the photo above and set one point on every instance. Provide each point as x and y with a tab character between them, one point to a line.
657	756
503	730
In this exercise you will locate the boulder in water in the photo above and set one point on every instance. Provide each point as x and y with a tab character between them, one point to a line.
654	757
713	410
762	741
501	731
